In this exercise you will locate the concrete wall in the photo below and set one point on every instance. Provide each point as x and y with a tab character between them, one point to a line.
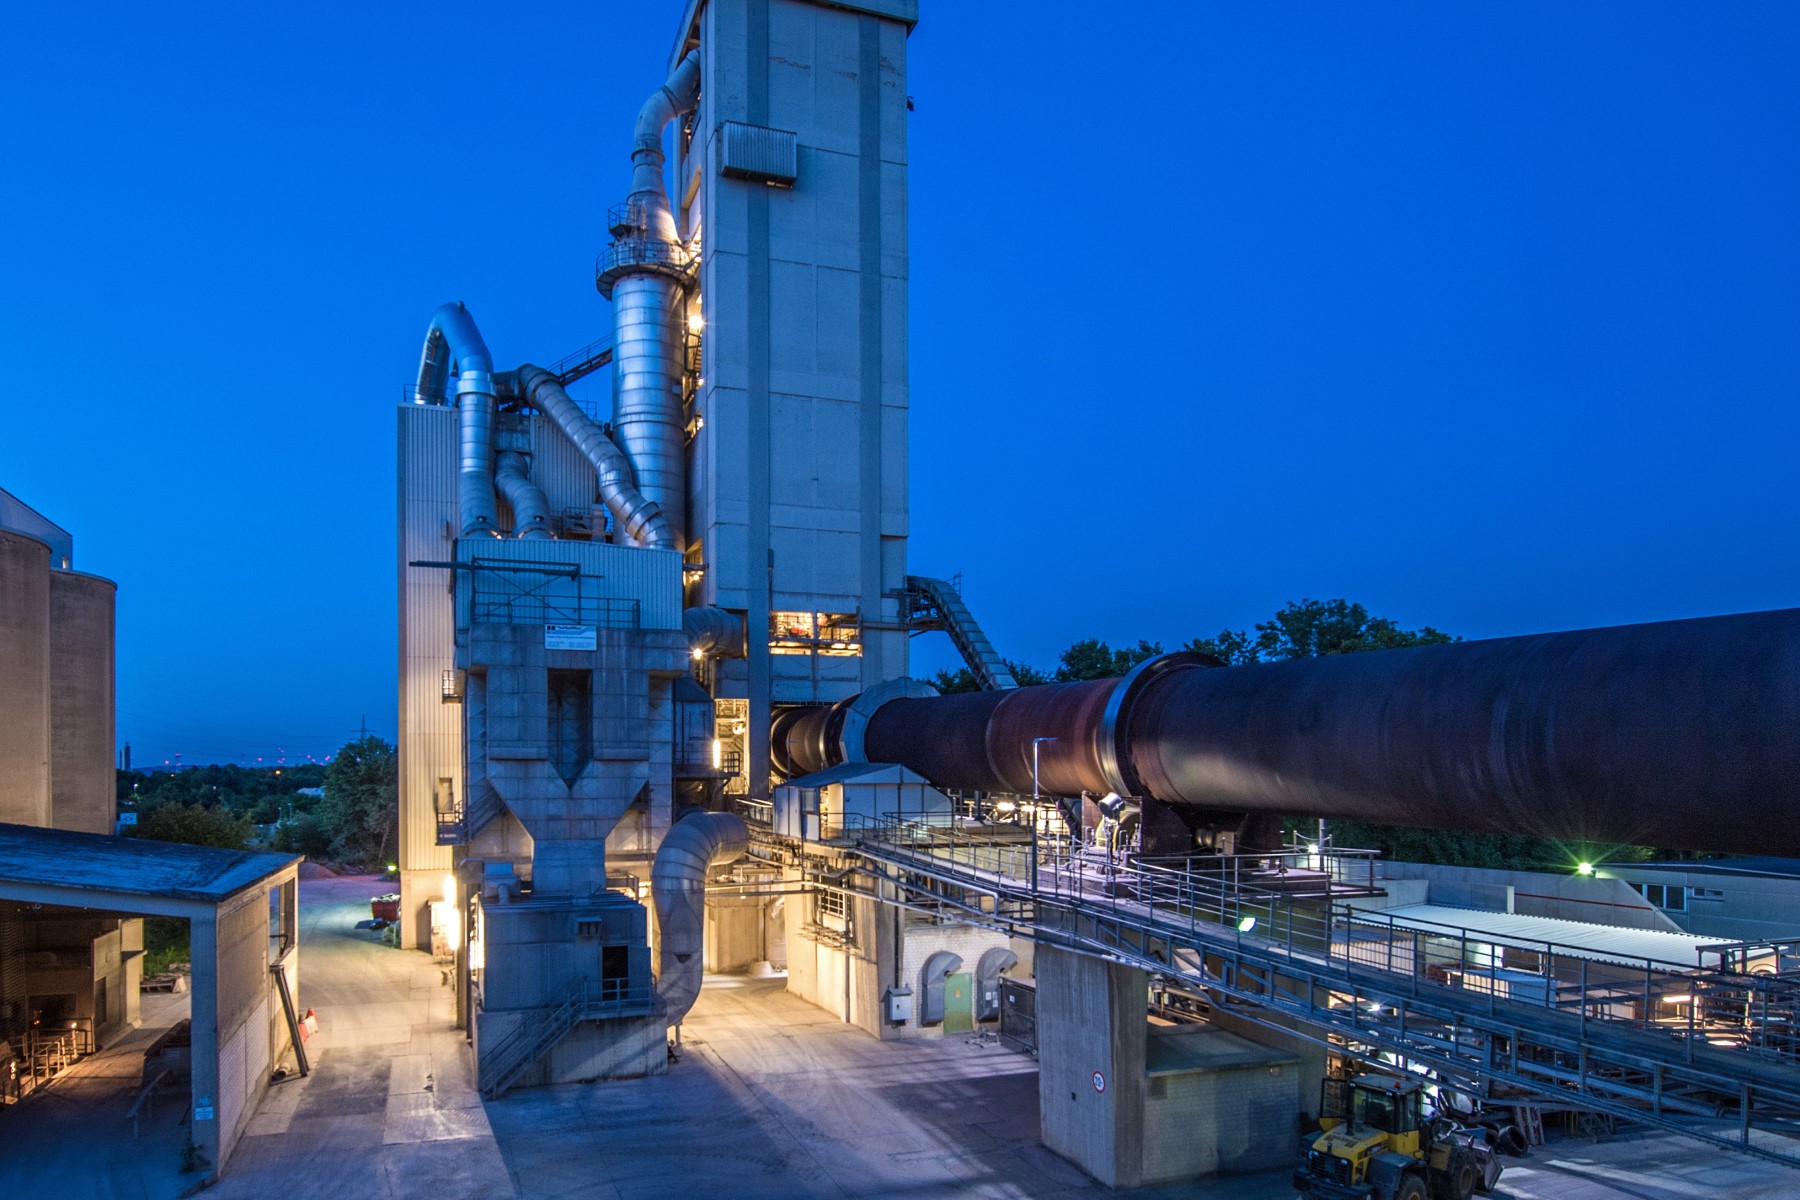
25	680
846	980
1235	1115
83	794
1746	907
1091	1018
243	1002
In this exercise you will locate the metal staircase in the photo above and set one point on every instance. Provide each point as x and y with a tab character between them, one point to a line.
1727	1071
542	1028
937	604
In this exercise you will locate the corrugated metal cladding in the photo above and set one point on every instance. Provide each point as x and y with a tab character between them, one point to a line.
430	730
758	152
1607	943
651	577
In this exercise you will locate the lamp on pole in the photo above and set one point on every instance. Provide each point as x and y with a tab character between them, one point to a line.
1035	794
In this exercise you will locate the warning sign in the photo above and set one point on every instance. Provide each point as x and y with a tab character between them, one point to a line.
1100	1082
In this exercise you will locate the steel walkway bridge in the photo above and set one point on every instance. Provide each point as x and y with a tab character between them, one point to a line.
1712	1054
937	604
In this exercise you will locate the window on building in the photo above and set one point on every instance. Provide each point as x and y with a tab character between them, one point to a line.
571	723
831	905
1670	897
830	634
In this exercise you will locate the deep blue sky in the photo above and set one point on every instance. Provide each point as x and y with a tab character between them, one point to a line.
1485	316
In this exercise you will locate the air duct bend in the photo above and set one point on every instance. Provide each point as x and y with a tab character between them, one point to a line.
713	632
531	511
453	344
693	847
637	517
677	95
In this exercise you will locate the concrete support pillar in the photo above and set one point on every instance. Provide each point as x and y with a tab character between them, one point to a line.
203	943
1092	1020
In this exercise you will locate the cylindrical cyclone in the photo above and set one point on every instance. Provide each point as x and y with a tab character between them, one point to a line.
83	787
647	371
24	680
1682	734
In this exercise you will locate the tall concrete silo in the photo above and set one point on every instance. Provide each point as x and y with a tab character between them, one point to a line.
82	783
24	680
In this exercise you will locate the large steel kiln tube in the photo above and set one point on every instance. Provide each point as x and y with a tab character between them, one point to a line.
1682	734
531	511
453	343
693	847
634	515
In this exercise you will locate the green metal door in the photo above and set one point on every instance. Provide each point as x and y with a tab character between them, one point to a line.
959	1003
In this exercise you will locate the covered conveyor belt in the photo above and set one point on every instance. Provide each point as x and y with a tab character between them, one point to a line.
942	605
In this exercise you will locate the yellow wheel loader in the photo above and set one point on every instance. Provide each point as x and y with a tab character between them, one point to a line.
1375	1143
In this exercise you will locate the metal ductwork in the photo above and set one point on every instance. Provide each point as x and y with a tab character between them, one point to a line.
688	853
454	345
531	510
645	274
1678	734
637	517
713	632
677	95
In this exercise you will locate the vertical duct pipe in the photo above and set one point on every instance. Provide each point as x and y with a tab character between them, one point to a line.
644	274
453	344
693	847
531	510
639	519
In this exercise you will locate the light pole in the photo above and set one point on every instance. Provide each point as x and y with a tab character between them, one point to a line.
1035	743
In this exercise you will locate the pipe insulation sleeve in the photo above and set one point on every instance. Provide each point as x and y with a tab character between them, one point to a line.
633	514
531	510
689	851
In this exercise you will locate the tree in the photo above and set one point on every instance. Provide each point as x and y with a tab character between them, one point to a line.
361	803
1312	628
962	679
194	825
1094	659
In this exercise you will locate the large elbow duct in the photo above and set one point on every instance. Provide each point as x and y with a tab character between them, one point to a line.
454	345
713	632
1680	734
531	511
688	853
640	519
678	94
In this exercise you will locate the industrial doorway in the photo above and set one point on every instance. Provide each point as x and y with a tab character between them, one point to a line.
959	1003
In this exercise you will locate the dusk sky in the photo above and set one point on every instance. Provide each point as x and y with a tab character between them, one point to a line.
1486	316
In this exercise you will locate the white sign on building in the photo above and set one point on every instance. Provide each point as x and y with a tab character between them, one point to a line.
570	637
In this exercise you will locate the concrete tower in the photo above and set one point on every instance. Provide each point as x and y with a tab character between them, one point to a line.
791	179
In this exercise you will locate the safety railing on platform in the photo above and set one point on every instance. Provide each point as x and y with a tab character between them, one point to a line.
1759	1013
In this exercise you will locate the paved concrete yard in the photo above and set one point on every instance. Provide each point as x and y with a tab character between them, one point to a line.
389	1112
774	1098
